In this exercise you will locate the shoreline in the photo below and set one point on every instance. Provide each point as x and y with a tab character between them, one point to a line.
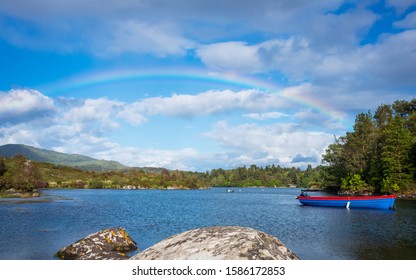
11	194
407	196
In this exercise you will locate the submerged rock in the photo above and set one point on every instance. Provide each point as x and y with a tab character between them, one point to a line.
108	244
219	243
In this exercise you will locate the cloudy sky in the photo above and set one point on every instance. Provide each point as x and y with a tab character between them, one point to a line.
196	85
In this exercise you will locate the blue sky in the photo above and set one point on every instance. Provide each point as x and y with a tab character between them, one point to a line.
197	85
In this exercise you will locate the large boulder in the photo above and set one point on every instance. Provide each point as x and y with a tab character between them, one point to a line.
219	243
108	244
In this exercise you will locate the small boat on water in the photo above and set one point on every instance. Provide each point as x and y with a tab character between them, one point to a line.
230	190
375	201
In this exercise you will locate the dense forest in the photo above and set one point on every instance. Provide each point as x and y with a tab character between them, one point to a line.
269	176
378	156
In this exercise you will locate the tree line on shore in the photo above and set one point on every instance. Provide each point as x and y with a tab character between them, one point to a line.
23	175
378	156
268	176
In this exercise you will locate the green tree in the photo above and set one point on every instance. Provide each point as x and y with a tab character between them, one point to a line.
397	145
358	146
3	167
354	184
23	175
383	115
334	163
311	177
3	170
96	183
379	154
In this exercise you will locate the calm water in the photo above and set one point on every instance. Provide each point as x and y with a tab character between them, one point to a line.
36	229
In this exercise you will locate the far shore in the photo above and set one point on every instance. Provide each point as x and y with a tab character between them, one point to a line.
11	193
18	194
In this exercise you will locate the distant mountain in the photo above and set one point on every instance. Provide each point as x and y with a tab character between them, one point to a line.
73	160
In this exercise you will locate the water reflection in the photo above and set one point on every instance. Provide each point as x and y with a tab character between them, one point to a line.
42	199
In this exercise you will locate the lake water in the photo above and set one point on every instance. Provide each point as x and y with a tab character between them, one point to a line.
38	228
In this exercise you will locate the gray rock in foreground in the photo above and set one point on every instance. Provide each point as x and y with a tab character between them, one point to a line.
108	244
219	243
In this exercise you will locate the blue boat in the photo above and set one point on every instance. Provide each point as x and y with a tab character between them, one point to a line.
376	202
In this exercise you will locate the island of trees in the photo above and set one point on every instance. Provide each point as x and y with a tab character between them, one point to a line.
378	156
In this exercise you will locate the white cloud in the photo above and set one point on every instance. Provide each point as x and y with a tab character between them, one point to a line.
231	56
84	143
290	56
19	105
401	5
308	114
55	133
139	37
84	127
246	12
19	134
398	51
99	110
265	116
203	104
317	37
244	145
408	22
29	117
294	57
352	70
182	159
330	33
278	142
107	27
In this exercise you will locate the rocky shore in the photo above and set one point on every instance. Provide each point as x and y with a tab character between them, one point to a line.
12	193
131	187
210	243
410	196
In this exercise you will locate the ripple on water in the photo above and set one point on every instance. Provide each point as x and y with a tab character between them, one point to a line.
37	228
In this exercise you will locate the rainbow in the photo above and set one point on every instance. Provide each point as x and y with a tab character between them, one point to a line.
226	80
304	95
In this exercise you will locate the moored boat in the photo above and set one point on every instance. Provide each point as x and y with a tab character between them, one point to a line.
375	201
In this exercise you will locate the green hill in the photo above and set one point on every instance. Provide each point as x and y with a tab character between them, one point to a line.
73	160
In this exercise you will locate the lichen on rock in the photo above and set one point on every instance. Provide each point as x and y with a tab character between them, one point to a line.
219	243
108	244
